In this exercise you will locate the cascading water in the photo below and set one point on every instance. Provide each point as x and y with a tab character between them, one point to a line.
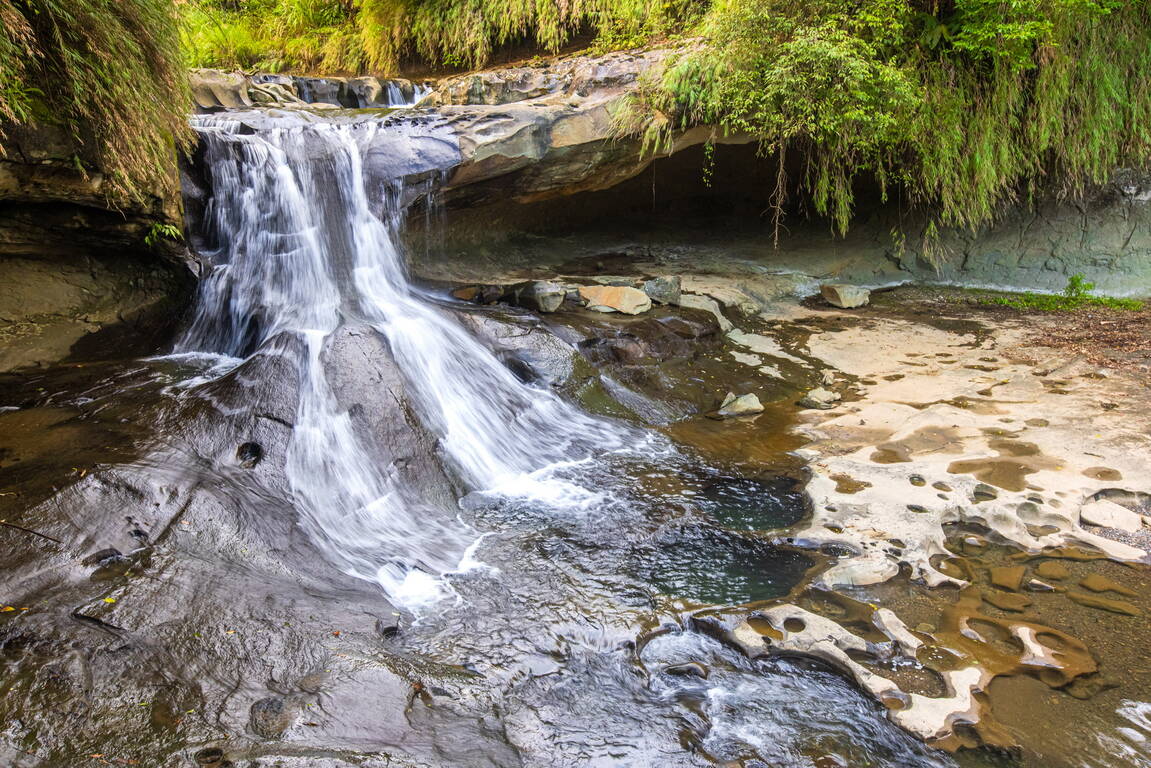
306	238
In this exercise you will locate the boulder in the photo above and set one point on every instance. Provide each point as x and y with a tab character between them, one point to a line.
820	398
845	296
1108	514
665	289
742	405
538	295
213	89
610	298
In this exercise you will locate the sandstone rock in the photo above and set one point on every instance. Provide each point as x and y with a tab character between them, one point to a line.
1110	515
213	89
820	398
741	405
845	296
665	289
606	298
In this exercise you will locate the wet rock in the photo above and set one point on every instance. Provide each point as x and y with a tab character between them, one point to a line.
271	716
538	295
102	557
1008	577
1108	514
688	669
212	757
1105	604
820	398
741	405
249	455
1052	569
387	629
606	298
844	296
666	289
1005	601
1098	583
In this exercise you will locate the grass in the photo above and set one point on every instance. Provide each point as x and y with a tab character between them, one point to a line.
1077	295
111	73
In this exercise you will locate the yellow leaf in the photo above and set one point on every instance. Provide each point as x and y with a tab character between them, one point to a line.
6	609
109	599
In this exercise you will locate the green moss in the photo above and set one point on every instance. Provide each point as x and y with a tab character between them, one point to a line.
1076	295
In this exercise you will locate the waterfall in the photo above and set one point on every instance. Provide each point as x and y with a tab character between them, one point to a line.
305	237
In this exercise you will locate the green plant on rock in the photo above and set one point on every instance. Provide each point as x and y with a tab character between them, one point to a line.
1077	294
110	72
161	231
966	106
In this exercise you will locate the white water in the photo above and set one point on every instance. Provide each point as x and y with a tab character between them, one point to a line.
303	245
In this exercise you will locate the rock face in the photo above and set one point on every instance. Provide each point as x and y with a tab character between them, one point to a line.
615	298
214	90
74	262
1108	514
845	296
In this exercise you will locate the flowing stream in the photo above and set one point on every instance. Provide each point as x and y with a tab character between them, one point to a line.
302	246
302	233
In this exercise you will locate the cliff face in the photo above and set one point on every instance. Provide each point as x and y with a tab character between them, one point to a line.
73	263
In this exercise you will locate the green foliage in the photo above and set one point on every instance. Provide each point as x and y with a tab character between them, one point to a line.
159	232
272	35
966	106
110	72
1076	295
353	35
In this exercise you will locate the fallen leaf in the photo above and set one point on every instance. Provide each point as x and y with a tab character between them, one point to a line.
109	599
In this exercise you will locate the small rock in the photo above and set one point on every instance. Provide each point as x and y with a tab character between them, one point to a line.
743	405
538	295
1110	515
1052	569
1035	585
1105	604
828	378
845	296
1007	602
271	716
820	398
688	669
611	298
666	289
102	557
1098	583
1008	577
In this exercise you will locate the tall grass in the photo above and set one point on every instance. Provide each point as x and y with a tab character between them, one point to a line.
354	35
108	71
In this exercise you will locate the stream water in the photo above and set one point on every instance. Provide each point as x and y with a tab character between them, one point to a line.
341	531
544	577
